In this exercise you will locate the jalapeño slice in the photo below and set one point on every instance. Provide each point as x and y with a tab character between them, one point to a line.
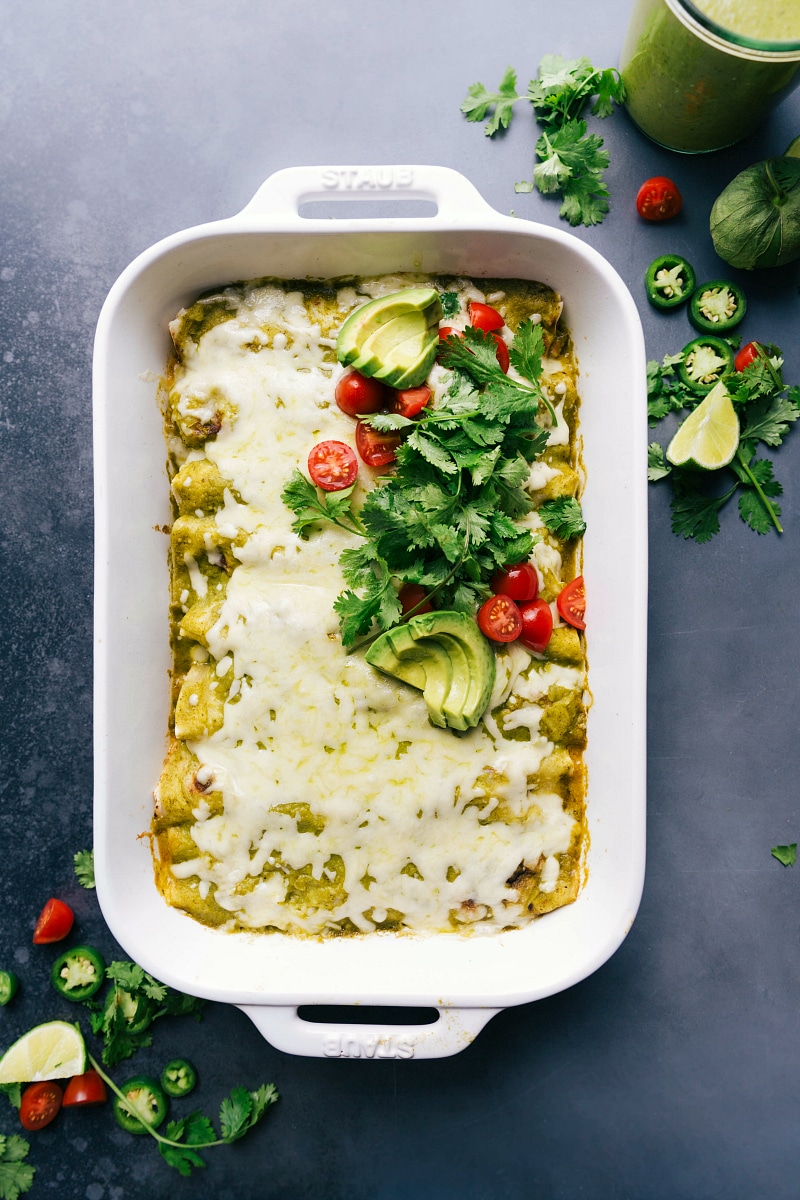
178	1077
144	1105
669	281
8	986
78	973
705	361
717	307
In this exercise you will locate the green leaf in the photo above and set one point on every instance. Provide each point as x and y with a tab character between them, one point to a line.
13	1091
526	351
657	465
786	854
610	89
751	506
234	1114
84	868
311	505
479	101
769	418
563	517
182	1158
450	304
695	514
16	1176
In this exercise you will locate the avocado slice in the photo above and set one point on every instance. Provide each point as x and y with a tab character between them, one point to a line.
456	658
394	337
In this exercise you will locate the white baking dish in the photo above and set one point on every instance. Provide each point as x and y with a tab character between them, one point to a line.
467	979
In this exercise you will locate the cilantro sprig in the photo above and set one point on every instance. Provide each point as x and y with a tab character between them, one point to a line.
767	409
16	1176
786	854
84	868
571	161
447	519
133	1003
182	1140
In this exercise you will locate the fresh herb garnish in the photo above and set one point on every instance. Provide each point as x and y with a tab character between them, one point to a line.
571	160
767	408
447	519
786	854
182	1140
84	868
451	304
16	1176
131	1006
563	517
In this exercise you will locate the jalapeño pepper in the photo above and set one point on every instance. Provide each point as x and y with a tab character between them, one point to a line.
8	986
178	1077
669	281
144	1105
717	307
705	361
78	973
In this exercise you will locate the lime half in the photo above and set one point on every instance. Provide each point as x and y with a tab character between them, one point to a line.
709	436
55	1050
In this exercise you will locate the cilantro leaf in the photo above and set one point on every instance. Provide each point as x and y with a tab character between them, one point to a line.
527	350
786	854
131	1006
610	88
479	101
450	304
563	517
752	508
13	1091
16	1176
84	868
572	161
694	513
657	465
310	505
236	1114
768	419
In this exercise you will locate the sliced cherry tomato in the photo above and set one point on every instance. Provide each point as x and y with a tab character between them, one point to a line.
746	355
658	199
502	352
332	466
445	331
499	619
520	582
571	602
55	921
376	449
40	1104
411	401
84	1089
356	394
412	594
537	625
483	316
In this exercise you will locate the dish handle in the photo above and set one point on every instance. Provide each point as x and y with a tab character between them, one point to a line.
282	194
285	1029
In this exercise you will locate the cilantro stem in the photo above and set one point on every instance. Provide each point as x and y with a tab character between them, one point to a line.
762	354
764	500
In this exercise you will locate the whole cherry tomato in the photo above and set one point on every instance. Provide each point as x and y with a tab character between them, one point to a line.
356	394
537	625
520	582
411	595
39	1105
332	466
571	603
55	921
499	619
411	401
747	354
376	449
84	1089
483	316
658	199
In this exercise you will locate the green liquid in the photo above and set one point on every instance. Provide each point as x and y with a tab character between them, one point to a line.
765	20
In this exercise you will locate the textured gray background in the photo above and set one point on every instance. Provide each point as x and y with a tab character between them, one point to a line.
671	1073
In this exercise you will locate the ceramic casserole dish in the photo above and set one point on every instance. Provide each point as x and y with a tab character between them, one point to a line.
468	979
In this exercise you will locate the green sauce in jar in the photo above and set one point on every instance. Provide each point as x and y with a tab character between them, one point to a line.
701	76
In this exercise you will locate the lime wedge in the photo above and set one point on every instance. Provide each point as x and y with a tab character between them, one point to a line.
709	436
55	1050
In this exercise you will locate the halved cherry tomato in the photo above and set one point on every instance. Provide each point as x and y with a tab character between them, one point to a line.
499	619
445	331
520	582
412	594
747	354
39	1105
84	1089
376	449
356	394
658	199
483	316
537	625
55	921
501	352
571	602
332	466
411	401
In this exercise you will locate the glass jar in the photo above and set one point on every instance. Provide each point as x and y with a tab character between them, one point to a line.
694	85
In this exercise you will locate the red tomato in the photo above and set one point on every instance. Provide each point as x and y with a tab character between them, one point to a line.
537	625
40	1105
483	316
84	1089
746	355
412	594
376	449
658	199
502	352
411	401
499	619
332	466
357	394
571	602
445	331
520	582
55	921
